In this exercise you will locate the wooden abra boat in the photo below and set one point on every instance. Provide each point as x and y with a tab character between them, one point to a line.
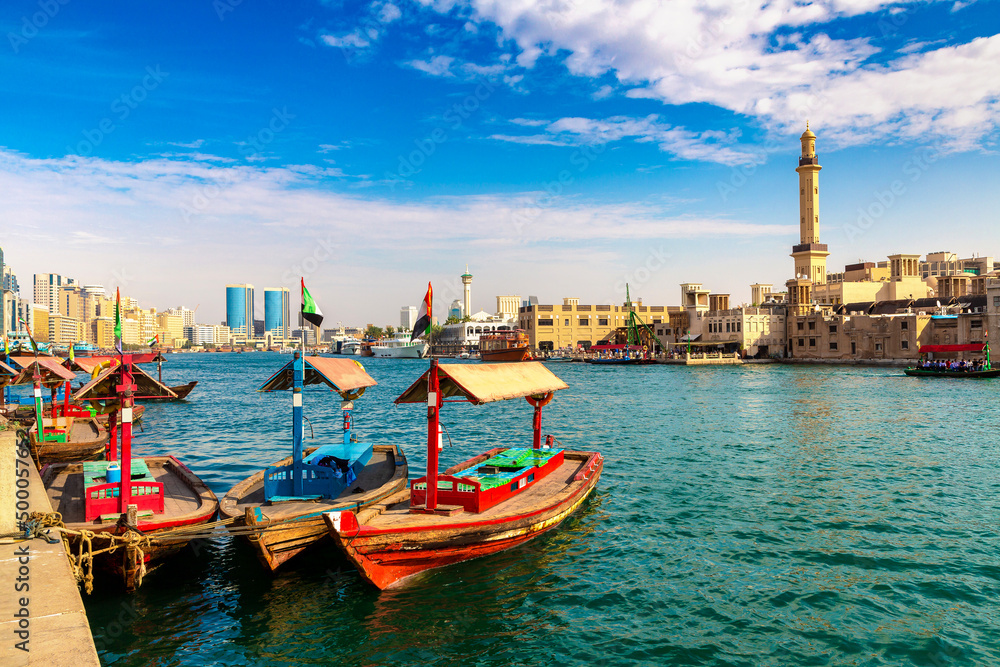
927	369
69	432
280	510
150	503
489	503
504	346
68	438
181	391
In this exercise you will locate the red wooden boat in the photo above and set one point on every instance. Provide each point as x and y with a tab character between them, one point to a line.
278	519
154	499
504	346
489	503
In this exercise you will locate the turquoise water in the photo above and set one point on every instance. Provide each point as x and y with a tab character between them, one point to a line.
760	515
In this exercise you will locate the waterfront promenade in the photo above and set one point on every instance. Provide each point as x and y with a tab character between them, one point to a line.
41	609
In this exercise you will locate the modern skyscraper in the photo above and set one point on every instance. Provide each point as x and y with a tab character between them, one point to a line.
407	318
277	312
809	255
239	310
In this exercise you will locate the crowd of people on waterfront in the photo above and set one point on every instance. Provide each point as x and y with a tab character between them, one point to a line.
953	365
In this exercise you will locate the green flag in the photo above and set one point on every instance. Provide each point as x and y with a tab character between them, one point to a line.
310	311
118	314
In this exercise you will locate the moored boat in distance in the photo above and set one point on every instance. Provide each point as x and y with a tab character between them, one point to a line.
279	511
969	370
504	346
350	347
399	347
489	503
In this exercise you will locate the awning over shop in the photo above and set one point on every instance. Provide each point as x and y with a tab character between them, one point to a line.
689	338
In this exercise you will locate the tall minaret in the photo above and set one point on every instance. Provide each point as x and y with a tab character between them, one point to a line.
467	283
810	255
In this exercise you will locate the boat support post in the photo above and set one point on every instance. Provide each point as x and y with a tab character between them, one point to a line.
66	392
536	427
347	406
297	382
36	379
112	449
126	390
433	430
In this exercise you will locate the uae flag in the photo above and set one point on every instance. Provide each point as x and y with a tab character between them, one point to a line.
423	324
310	311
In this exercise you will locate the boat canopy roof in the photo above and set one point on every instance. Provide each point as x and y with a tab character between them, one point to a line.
964	347
104	386
6	372
484	383
88	364
50	368
339	374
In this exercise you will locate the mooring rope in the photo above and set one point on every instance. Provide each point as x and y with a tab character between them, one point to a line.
135	542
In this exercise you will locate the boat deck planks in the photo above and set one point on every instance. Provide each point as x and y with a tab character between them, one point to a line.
66	492
379	468
551	489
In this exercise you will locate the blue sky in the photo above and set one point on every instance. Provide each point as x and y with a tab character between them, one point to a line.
559	148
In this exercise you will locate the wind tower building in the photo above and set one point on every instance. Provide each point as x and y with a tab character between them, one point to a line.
809	255
467	286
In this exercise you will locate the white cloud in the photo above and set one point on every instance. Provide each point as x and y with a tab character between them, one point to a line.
436	66
266	225
388	13
706	146
763	59
350	40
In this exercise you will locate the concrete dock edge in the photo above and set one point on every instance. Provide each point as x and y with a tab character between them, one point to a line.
40	603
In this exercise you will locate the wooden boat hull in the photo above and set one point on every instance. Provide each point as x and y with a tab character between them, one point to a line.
87	441
388	544
291	527
182	391
968	375
137	412
188	502
521	353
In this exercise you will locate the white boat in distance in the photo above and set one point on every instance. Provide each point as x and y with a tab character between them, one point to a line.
400	347
350	346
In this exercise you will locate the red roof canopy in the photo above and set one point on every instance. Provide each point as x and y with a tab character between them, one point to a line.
967	347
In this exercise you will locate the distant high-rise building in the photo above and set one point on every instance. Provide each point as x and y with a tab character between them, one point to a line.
8	281
187	315
455	310
277	312
407	318
46	290
239	310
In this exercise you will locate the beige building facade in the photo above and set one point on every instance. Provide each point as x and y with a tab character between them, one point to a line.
573	325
